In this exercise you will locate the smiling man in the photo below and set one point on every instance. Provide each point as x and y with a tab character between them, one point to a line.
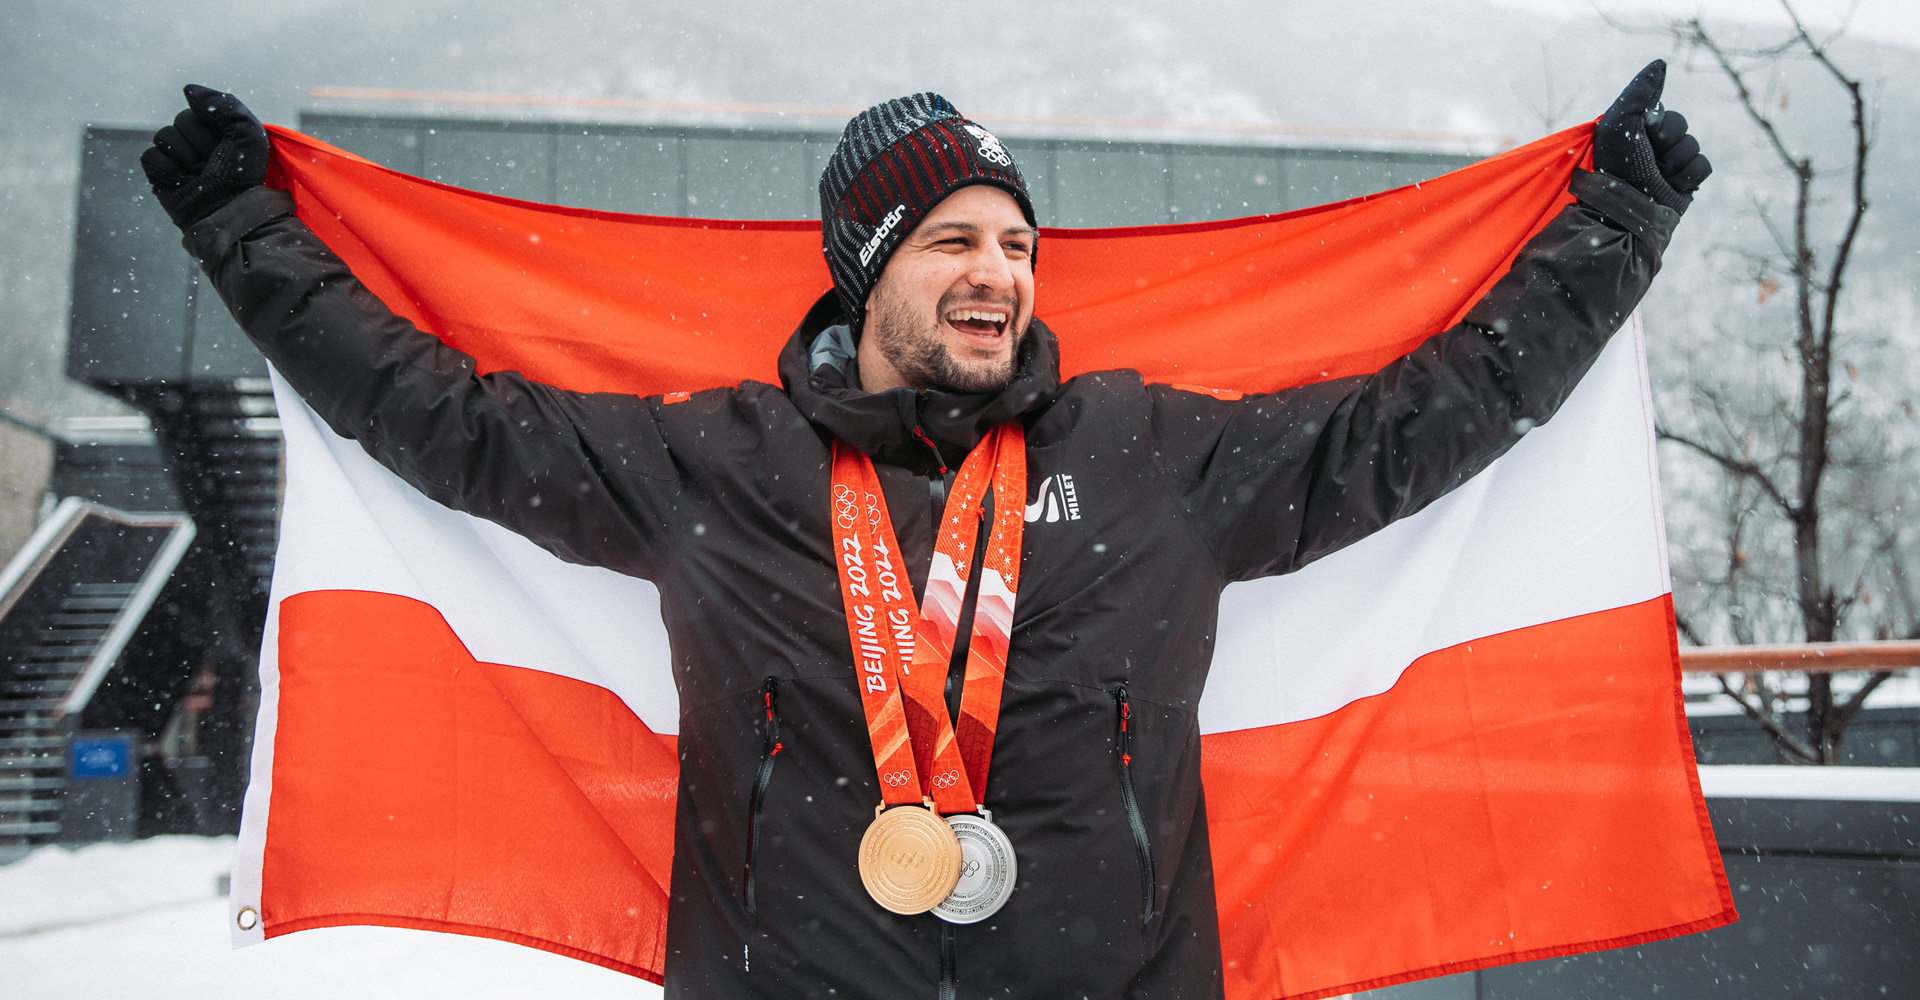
971	259
981	779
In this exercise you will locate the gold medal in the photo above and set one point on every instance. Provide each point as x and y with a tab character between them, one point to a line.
909	859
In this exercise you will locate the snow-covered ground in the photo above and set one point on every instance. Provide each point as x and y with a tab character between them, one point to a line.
147	920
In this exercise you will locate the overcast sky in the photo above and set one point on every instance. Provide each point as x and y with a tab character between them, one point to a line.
1895	21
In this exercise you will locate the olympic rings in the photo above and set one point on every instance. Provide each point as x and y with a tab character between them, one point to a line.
845	508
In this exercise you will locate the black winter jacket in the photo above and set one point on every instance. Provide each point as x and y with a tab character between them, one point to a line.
722	501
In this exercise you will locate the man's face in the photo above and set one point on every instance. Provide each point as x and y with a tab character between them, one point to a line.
954	300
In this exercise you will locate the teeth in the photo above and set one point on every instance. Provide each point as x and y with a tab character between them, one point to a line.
977	314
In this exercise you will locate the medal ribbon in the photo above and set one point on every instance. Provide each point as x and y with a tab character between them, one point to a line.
955	764
1002	460
880	611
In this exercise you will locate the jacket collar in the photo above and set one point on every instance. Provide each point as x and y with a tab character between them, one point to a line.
820	373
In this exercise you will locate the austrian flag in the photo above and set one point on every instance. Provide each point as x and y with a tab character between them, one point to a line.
1455	744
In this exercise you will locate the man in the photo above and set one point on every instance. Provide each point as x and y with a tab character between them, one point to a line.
924	381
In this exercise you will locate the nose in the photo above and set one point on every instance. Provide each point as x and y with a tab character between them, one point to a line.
988	267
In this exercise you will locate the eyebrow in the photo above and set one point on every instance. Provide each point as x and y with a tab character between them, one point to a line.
943	228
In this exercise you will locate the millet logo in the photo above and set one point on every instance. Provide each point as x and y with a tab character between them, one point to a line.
886	226
1058	500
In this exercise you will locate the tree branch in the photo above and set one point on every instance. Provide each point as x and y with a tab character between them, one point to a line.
1844	713
1743	468
1779	238
1862	144
1684	626
1771	725
1695	33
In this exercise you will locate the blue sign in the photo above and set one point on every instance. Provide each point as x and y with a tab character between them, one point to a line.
101	757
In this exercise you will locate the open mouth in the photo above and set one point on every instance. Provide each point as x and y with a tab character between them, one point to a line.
987	326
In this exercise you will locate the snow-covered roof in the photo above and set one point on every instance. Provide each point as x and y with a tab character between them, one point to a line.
1779	781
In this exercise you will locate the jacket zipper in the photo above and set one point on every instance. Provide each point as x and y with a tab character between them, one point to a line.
937	482
770	748
937	498
949	963
1138	825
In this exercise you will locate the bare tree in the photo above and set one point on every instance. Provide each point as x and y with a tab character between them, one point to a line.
1783	453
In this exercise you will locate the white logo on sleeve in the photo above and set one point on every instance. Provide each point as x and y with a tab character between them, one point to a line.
1058	499
990	149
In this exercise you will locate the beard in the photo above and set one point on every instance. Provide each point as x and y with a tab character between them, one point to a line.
914	344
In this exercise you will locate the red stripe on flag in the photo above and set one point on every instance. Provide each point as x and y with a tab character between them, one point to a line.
426	789
1521	796
1252	304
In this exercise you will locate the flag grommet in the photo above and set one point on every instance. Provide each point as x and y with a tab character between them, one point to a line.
247	919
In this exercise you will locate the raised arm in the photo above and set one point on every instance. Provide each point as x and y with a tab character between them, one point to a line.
1279	480
587	476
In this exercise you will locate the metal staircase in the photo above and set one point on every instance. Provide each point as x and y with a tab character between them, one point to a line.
221	440
69	603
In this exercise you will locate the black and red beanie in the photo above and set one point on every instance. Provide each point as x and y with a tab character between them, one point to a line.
895	161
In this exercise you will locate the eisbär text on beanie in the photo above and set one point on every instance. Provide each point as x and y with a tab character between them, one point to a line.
895	161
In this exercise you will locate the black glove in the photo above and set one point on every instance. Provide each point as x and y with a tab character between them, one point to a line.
1648	147
213	151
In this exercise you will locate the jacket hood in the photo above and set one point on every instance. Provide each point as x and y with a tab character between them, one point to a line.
820	372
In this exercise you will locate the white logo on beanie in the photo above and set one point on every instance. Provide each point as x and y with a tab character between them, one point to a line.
886	226
990	148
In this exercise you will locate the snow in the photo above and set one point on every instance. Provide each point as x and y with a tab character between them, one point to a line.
1704	696
148	919
1773	781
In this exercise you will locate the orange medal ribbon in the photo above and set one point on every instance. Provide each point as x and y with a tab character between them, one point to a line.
880	611
915	736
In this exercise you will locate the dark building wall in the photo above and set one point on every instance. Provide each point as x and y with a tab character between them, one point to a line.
128	475
757	173
1879	737
141	310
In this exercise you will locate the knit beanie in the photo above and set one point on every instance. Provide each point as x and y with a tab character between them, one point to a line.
895	161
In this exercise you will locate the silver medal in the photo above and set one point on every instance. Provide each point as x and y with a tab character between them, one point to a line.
987	870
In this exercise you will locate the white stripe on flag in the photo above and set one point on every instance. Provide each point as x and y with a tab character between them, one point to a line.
1565	524
349	524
